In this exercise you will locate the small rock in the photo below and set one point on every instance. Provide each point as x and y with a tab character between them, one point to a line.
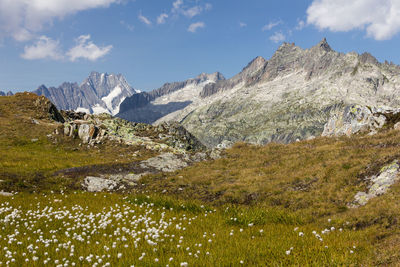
397	126
34	140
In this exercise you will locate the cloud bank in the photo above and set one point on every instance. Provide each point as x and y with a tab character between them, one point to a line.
21	19
47	48
379	18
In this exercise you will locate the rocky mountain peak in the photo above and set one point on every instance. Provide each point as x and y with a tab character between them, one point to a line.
323	45
255	64
98	93
216	76
368	58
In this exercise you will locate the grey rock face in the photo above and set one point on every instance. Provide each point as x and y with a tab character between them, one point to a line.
251	70
291	96
150	106
357	119
100	92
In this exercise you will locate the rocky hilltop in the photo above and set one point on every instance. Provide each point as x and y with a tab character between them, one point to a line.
150	106
291	96
100	92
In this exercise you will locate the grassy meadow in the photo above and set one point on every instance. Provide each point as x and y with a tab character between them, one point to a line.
273	205
83	229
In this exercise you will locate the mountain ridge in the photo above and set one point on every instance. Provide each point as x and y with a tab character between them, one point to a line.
291	96
100	92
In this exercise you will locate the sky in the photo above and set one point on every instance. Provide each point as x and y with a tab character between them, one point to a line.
152	42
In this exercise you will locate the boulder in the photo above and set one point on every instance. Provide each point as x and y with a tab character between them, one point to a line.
379	184
167	162
97	184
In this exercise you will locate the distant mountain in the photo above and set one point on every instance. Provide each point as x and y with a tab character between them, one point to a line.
289	97
100	92
171	97
9	93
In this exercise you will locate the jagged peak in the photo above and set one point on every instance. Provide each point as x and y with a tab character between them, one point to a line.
215	76
42	87
368	58
323	45
255	63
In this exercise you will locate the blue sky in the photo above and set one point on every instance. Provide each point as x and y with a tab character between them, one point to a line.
152	42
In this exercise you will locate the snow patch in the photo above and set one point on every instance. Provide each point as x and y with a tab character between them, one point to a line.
110	97
97	109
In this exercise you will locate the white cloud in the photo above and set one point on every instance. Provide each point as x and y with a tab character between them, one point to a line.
161	19
195	26
271	25
380	18
242	24
277	37
86	49
21	19
43	48
300	25
178	8
144	19
193	11
127	25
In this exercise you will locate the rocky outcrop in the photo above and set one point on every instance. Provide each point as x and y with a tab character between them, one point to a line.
165	162
378	184
360	119
47	109
100	92
95	129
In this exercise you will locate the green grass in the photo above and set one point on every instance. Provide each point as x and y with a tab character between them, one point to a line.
265	243
30	165
274	188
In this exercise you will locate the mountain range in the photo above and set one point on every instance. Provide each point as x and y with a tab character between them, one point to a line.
289	97
6	94
99	93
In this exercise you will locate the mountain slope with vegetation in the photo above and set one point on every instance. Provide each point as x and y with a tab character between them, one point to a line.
295	203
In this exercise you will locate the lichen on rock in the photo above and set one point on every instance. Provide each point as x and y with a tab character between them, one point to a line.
379	184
